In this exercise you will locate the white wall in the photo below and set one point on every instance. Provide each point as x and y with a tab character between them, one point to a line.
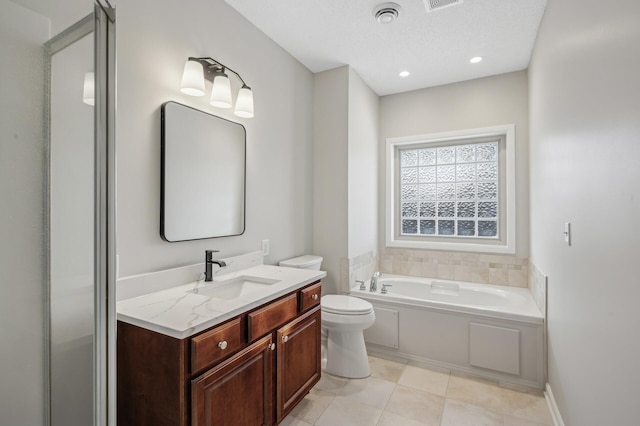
154	40
363	167
585	169
330	171
22	388
484	102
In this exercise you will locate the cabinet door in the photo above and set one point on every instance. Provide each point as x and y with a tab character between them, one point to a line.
298	360
237	392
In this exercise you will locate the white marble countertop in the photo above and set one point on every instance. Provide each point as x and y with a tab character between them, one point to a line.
180	313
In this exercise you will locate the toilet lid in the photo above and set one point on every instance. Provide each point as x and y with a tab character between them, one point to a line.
346	305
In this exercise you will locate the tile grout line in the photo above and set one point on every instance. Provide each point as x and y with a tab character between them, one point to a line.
395	385
315	422
444	403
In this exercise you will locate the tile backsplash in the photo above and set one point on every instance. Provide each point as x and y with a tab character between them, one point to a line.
357	268
473	267
538	287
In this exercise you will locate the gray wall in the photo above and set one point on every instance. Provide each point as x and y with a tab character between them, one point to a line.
22	388
345	172
330	171
484	102
363	167
154	41
585	169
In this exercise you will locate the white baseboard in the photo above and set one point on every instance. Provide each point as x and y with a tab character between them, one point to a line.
553	407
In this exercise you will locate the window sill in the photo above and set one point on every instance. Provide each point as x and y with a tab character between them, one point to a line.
453	246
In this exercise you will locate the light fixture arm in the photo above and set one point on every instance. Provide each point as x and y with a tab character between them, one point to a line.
213	67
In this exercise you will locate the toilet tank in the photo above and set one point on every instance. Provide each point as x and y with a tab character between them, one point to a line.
303	262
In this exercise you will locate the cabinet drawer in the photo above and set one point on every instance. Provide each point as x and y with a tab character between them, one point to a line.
264	320
216	344
310	297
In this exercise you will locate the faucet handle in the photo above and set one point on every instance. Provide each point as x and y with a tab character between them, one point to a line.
384	288
362	287
208	254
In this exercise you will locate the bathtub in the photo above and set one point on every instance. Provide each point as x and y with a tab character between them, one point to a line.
496	332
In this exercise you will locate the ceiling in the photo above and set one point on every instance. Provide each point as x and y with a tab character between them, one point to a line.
434	47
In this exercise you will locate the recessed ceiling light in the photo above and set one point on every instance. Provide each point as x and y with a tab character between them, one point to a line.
475	59
404	74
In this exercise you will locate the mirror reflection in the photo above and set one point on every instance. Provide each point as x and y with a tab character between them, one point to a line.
203	175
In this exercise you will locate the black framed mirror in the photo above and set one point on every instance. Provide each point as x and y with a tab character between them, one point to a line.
203	182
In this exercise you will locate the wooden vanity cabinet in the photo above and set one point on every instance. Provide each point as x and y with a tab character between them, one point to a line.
250	370
298	346
238	391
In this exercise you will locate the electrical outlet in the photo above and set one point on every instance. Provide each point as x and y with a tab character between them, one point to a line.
265	247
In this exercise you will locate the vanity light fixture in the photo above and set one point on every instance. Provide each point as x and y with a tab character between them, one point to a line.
196	70
404	74
89	89
475	59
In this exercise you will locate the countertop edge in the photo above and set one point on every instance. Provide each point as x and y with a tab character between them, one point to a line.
224	316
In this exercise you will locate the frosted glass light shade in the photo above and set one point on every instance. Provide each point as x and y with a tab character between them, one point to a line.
244	103
89	89
221	92
192	79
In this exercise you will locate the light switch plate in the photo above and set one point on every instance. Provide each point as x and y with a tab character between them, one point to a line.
567	233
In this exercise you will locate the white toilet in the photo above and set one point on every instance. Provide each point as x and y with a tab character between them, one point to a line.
344	318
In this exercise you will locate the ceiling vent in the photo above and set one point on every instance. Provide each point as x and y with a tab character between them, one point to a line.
433	5
386	13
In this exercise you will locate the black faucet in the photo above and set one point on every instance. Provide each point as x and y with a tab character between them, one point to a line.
208	264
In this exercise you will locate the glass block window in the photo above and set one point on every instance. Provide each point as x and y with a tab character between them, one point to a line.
450	190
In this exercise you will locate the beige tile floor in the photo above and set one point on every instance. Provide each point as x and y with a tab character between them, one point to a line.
411	394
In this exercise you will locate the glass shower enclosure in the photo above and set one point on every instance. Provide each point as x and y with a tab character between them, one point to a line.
57	212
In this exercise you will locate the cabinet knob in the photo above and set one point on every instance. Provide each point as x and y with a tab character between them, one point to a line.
285	339
314	296
222	345
272	346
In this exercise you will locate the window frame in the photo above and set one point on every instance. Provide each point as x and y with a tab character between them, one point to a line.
507	220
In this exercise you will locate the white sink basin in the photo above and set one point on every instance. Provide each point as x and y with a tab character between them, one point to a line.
233	288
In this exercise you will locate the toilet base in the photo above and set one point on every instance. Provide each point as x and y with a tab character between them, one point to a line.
347	355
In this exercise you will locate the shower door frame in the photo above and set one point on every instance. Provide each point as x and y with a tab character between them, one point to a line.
102	23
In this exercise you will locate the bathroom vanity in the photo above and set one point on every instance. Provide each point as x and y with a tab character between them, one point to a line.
243	367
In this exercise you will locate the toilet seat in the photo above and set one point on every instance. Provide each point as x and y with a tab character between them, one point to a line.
345	305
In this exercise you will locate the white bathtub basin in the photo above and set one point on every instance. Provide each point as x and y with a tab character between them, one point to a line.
501	301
